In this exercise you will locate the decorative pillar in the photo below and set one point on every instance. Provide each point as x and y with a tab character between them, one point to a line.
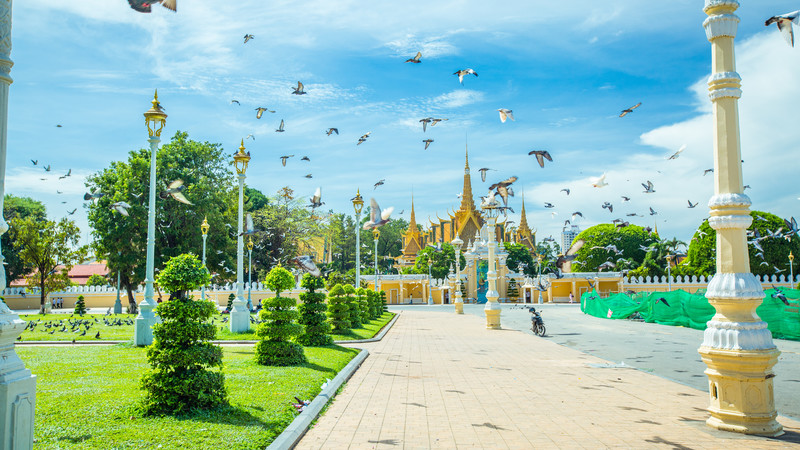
358	203
737	346
492	308
204	227
155	118
240	315
430	281
376	235
17	385
459	302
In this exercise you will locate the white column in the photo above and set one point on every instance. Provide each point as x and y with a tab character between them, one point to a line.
358	250
203	288
17	385
240	317
459	307
492	308
143	333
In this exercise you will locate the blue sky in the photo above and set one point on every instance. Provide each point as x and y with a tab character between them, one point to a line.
566	70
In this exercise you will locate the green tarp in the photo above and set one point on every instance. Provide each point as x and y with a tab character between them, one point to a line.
692	310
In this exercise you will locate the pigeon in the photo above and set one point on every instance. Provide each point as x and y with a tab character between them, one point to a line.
505	114
676	154
648	188
483	171
247	38
332	130
121	207
549	205
625	199
504	189
35	162
599	181
299	90
69	172
434	121
692	205
260	110
235	101
463	72
576	214
280	128
363	138
316	199
93	196
250	136
707	171
565	190
541	155
305	158
377	218
284	158
72	212
791	226
425	123
780	295
174	190
97	336
564	262
629	110
427	143
379	183
249	229
784	23
608	206
307	264
662	300
415	59
143	6
308	175
47	168
652	211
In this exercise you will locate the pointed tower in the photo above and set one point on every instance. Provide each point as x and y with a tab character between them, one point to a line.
525	236
468	219
412	241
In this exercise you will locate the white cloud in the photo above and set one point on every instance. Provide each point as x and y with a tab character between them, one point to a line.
431	47
456	99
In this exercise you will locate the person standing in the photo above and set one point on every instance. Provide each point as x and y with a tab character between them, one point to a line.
571	298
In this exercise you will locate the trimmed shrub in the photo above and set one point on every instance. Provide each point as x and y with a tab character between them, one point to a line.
182	355
231	298
80	306
278	328
312	313
384	308
363	305
338	310
353	308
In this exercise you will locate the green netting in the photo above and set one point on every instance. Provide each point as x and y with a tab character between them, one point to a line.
692	310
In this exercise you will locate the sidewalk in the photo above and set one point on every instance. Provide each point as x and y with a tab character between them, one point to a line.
439	380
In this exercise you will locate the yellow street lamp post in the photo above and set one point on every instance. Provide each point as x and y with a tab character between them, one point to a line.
791	270
249	272
737	346
459	303
155	118
358	203
240	315
204	229
376	235
539	276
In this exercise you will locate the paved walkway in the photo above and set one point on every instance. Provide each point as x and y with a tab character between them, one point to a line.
438	380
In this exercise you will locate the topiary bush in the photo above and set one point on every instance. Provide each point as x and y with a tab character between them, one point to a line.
374	304
278	328
231	298
182	356
384	308
338	310
312	313
363	305
353	307
80	306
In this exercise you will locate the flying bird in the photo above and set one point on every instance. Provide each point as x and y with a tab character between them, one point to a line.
425	123
692	205
35	161
549	205
576	214
625	199
93	196
377	218
676	154
332	130
308	175
427	143
316	199
541	155
648	188
47	168
235	101
565	190
629	110
379	183
284	158
247	38
608	206
434	121
249	229
483	171
280	128
504	189
143	6
463	72
415	59
260	110
652	211
69	172
784	23
599	181
299	90
72	212
505	114
707	171
363	138
250	136
305	158
564	262
174	190
121	207
307	264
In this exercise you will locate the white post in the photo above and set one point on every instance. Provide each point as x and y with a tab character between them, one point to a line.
203	288
17	385
143	333
358	250
459	307
430	285
249	278
240	315
492	308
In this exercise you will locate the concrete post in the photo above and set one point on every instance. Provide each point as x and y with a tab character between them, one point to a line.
492	308
737	346
240	316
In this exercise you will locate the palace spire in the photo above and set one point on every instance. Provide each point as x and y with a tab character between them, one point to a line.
467	202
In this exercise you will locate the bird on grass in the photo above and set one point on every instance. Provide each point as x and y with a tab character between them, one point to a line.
174	190
627	111
299	90
784	23
505	114
143	6
415	59
463	72
377	218
541	155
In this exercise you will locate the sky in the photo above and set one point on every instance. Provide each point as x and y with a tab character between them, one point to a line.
566	71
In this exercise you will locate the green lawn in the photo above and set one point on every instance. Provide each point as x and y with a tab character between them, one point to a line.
87	398
124	332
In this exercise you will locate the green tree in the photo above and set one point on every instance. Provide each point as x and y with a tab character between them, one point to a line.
353	308
441	261
209	185
628	241
772	260
97	280
182	357
17	208
51	248
338	310
519	259
312	313
278	327
254	199
363	305
80	306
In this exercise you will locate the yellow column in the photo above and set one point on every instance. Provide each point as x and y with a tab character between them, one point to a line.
737	346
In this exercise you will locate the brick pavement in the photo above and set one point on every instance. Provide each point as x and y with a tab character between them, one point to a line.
438	380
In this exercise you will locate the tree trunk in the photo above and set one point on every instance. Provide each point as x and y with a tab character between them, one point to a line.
42	293
132	307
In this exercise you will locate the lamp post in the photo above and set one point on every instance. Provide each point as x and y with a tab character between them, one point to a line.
155	118
669	273
492	308
358	203
376	235
457	243
204	227
118	302
791	270
539	276
249	272
737	346
430	281
240	315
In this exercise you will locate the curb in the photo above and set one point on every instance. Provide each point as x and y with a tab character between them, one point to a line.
295	431
377	337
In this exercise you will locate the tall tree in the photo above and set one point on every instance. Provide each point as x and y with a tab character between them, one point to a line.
16	208
51	248
628	241
519	259
208	180
441	261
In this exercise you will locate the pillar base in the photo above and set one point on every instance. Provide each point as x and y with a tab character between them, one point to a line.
143	331
118	307
459	307
239	321
492	316
17	387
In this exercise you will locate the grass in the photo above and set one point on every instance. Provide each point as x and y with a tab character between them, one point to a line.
125	332
87	397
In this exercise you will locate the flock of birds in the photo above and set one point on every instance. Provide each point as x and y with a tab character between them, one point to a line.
75	326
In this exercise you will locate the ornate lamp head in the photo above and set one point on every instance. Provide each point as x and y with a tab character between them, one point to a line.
376	233
241	159
358	202
791	256
155	118
457	243
250	244
205	226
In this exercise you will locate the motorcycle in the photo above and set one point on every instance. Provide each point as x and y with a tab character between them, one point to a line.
537	324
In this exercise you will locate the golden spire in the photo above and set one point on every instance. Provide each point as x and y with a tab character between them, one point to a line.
467	203
523	221
412	223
